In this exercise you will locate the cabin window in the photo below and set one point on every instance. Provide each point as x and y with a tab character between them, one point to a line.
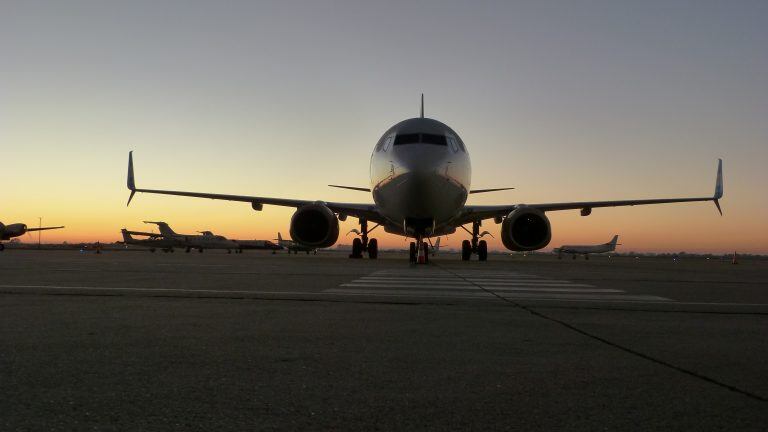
421	138
407	139
388	142
434	139
384	144
454	146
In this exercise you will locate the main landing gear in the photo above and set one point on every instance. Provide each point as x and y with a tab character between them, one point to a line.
480	247
362	244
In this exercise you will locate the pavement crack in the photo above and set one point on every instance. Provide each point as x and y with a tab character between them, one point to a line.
612	344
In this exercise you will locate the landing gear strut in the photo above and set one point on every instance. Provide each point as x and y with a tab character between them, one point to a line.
419	252
480	247
363	243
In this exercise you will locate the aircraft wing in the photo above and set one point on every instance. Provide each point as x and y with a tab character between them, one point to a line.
44	228
142	233
474	213
367	211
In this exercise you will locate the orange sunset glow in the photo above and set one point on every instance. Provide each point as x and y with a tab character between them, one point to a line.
227	110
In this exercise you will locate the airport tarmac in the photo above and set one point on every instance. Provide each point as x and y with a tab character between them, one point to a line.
211	341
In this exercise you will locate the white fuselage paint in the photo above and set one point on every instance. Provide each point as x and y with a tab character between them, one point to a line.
420	187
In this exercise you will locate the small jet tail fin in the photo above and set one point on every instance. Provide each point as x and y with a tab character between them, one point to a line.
164	228
126	235
613	242
279	237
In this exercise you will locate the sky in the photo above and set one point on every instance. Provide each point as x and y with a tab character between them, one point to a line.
563	100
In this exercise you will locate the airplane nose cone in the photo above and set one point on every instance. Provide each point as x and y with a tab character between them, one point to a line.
426	191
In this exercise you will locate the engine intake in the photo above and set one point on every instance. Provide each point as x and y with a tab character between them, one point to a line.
525	229
315	225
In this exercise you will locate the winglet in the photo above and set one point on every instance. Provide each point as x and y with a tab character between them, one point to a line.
422	105
719	186
131	181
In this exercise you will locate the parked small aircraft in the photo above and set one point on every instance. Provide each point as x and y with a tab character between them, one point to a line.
586	249
291	245
10	231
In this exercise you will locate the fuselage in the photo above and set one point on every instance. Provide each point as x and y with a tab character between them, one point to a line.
420	177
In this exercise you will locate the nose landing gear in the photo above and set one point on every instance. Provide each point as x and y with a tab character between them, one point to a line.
362	243
419	255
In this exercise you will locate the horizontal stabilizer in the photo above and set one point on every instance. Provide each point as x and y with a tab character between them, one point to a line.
474	191
351	188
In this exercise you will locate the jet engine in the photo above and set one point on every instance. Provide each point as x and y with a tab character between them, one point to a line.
12	230
525	229
315	225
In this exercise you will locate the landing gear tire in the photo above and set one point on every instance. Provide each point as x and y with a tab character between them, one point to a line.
152	250
574	256
200	250
413	252
586	257
188	249
307	252
482	250
357	248
2	247
466	250
373	249
229	251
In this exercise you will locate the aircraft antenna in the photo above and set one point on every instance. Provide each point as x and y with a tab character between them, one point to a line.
422	105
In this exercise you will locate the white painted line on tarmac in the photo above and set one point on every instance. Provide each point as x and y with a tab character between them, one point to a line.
376	293
429	293
477	281
510	287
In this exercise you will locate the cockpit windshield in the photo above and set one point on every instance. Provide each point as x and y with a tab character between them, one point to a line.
421	138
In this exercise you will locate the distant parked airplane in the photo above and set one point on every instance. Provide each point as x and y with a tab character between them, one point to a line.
207	240
8	232
291	245
153	241
586	249
435	248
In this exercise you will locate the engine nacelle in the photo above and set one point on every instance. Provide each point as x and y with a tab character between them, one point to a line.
525	229
13	230
315	225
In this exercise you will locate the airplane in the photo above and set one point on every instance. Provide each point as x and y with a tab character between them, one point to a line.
207	240
10	231
435	248
291	245
153	242
420	175
256	244
586	249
